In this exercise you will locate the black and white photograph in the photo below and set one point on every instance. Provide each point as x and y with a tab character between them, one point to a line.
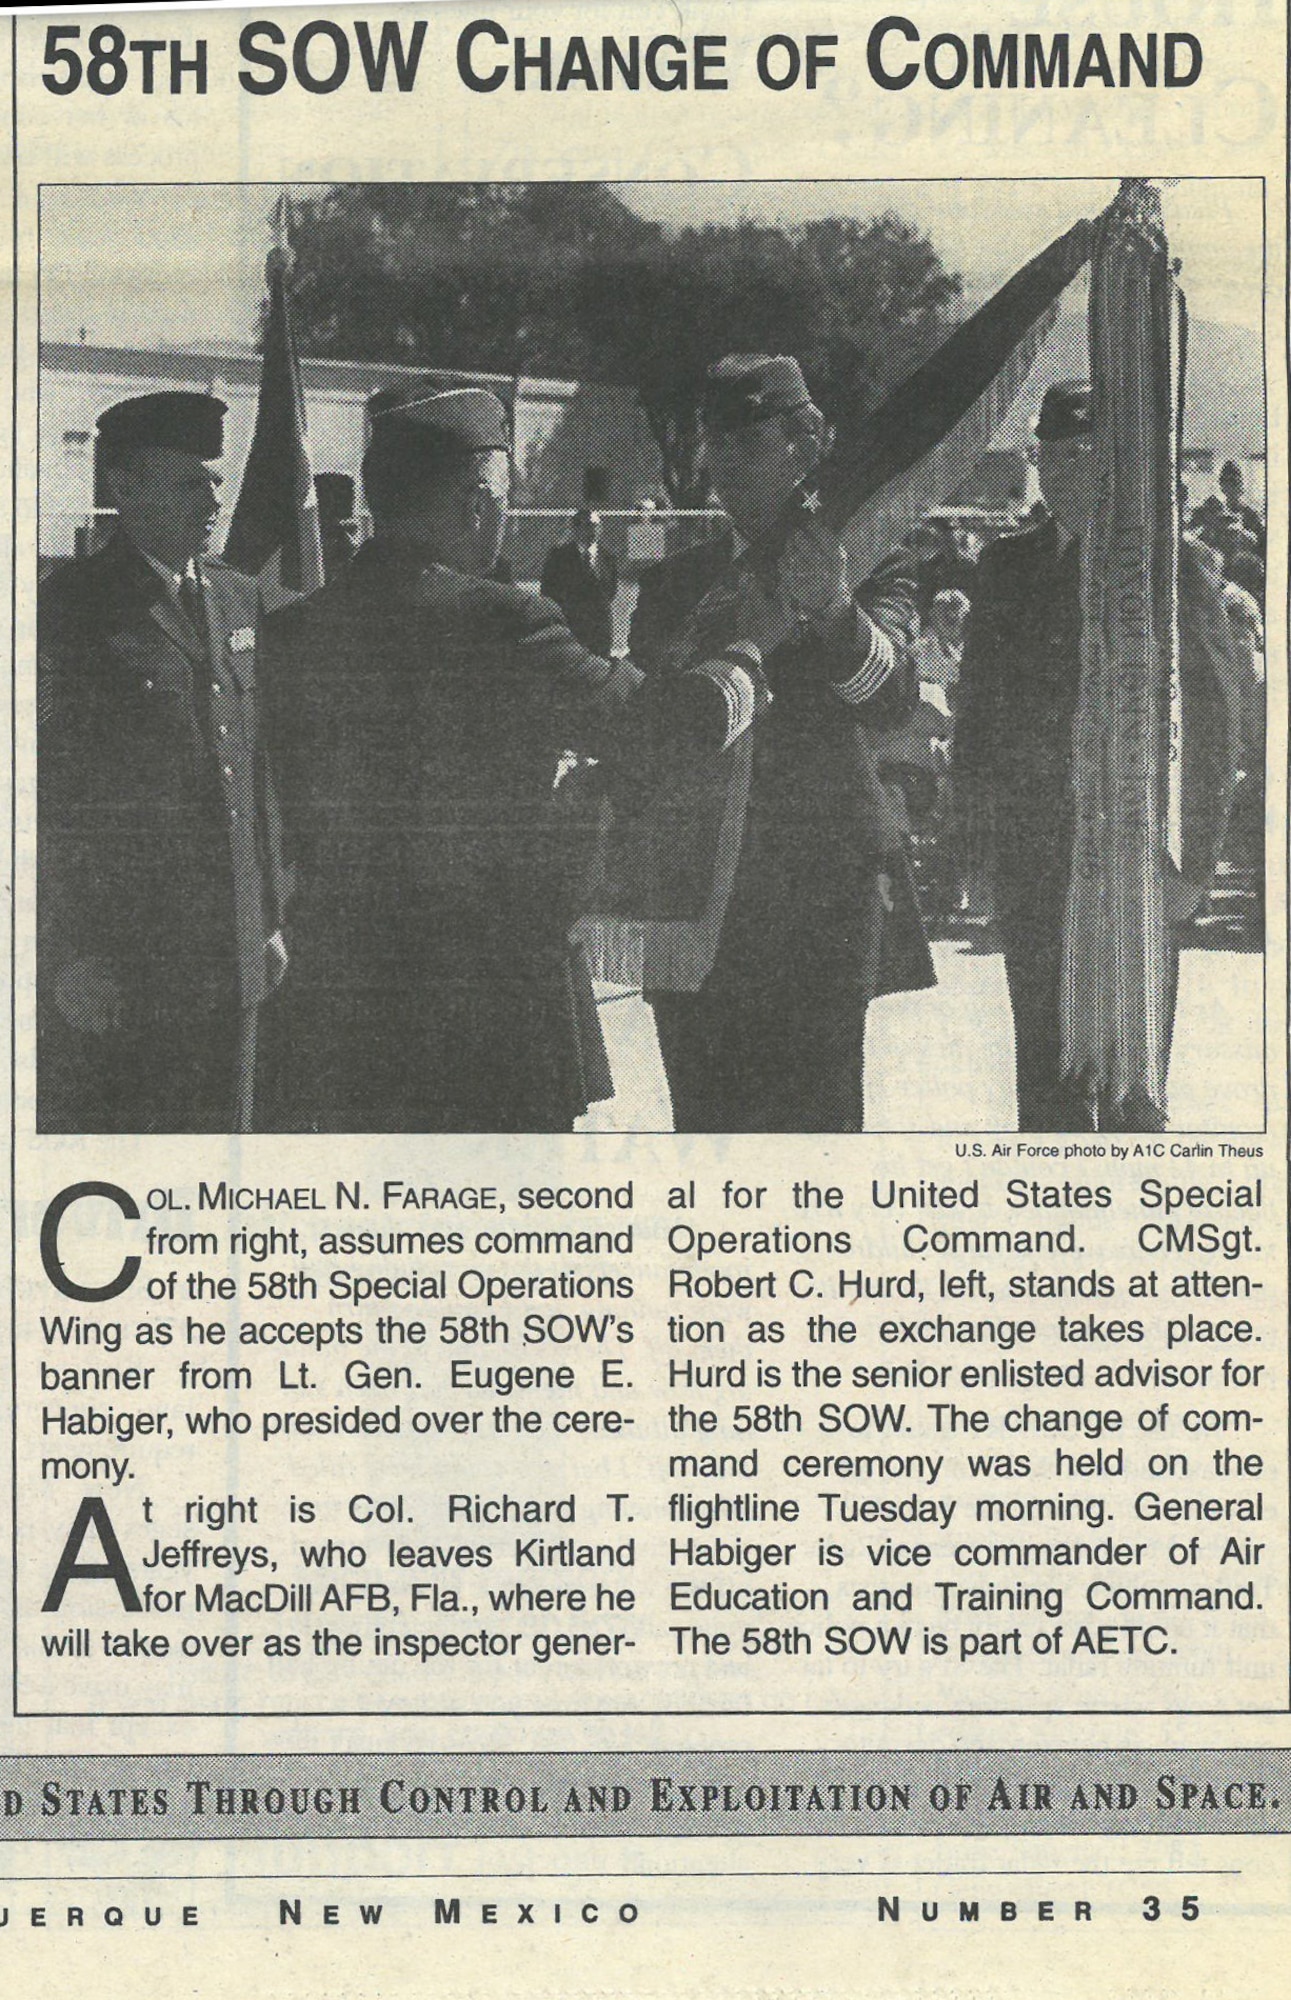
648	1252
698	657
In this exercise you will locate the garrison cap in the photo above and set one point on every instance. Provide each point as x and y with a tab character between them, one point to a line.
396	395
451	424
1066	412
178	419
744	389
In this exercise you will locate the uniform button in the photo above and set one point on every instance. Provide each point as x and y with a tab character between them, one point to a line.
147	687
233	812
224	727
228	770
216	687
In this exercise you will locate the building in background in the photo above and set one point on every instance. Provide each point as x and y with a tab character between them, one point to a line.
561	428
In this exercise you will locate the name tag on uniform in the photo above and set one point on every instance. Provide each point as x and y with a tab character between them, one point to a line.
243	640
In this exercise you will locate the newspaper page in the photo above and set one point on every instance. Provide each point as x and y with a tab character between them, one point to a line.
648	1001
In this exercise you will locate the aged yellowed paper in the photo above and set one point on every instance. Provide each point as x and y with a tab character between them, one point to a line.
648	1240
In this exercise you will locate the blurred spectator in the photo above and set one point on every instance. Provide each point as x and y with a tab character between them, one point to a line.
941	648
1206	520
941	563
1242	556
1244	568
1247	627
337	527
581	576
1245	843
1233	488
1226	522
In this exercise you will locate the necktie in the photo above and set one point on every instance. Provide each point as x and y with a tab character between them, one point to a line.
192	602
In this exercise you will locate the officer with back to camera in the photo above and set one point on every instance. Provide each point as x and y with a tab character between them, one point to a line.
428	712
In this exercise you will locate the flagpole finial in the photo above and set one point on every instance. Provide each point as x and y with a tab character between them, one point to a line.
281	256
1135	210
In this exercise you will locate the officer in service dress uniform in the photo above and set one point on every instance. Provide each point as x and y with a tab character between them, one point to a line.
1020	692
821	914
160	881
428	713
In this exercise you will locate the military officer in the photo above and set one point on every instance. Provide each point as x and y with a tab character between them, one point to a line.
1020	690
429	710
160	884
820	914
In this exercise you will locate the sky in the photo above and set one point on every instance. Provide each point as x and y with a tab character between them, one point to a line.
184	265
986	229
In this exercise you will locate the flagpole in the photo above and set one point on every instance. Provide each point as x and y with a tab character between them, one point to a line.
274	533
279	262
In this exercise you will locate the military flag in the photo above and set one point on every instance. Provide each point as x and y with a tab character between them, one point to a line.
274	533
930	434
1117	998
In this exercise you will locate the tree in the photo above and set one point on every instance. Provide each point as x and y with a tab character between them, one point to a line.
563	278
859	303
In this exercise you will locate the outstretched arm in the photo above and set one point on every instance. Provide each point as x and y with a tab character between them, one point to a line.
609	709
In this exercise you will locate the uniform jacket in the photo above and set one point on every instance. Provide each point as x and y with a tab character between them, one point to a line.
820	825
424	716
159	848
1020	691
